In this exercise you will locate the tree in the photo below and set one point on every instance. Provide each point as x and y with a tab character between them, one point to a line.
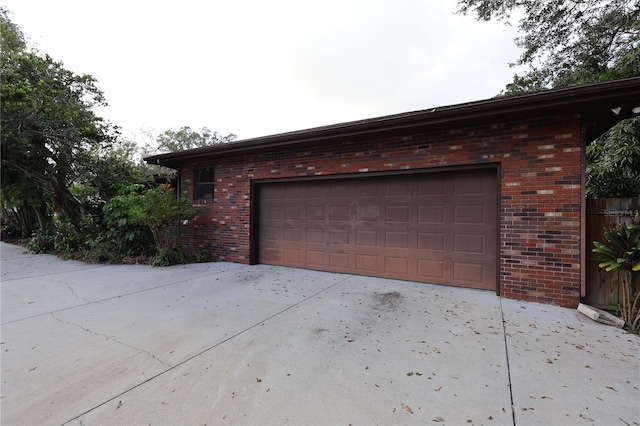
110	168
48	131
11	36
572	42
566	42
184	138
613	162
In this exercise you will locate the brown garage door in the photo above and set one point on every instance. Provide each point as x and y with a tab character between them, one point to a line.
433	227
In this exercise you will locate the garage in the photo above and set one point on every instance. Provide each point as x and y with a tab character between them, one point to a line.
431	227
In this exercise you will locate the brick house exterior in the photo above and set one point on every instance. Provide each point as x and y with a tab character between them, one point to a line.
534	143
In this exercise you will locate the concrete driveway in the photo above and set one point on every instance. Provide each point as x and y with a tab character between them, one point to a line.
221	343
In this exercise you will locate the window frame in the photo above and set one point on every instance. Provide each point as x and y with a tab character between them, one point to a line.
201	187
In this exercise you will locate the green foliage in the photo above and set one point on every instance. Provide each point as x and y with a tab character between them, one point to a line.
613	162
123	223
11	36
164	214
60	162
622	249
111	167
185	138
567	42
64	238
48	130
622	253
137	217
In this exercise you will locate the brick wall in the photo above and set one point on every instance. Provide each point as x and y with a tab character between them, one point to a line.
540	193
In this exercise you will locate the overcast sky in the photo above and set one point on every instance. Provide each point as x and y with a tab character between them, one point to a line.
260	67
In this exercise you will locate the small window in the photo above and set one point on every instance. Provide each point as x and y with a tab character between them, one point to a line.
203	184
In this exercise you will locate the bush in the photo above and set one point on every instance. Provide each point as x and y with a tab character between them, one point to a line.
136	224
622	252
164	214
123	223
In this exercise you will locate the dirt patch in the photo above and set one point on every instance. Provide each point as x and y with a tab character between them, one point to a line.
388	300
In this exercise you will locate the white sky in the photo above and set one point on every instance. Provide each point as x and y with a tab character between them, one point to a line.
260	67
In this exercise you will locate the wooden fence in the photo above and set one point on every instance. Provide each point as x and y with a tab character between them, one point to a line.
602	287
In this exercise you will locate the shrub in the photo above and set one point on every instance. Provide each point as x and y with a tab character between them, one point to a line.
123	223
164	214
622	253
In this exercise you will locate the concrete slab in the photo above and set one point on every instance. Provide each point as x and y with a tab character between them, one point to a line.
222	343
366	351
567	369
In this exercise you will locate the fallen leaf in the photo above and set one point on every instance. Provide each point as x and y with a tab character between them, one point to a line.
119	405
438	390
609	387
258	380
438	419
407	409
410	373
548	361
31	369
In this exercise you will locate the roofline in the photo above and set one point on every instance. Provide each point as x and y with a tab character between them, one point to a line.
577	99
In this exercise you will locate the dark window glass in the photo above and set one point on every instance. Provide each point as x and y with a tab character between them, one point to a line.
203	184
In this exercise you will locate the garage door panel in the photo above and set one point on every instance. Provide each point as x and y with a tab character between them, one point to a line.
431	214
366	263
397	239
315	212
439	228
315	258
472	214
431	241
468	273
431	187
397	265
291	255
366	238
398	214
431	270
273	213
368	213
315	235
468	185
271	254
398	188
339	214
366	189
469	244
340	190
340	261
294	235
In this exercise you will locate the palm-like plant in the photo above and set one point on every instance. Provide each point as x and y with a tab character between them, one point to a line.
622	253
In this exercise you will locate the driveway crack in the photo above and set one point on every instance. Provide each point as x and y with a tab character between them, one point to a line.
506	350
111	338
76	294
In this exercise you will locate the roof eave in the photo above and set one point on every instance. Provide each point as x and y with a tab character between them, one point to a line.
580	99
